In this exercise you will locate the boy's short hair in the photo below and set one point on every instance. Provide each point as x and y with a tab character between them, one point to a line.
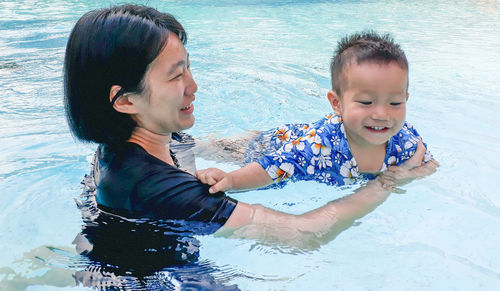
367	46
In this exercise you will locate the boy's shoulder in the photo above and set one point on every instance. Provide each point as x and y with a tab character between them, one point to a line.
404	143
331	129
407	132
331	123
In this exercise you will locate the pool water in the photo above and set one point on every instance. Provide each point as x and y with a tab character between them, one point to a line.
259	64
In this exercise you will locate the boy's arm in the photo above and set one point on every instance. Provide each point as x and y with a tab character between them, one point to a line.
412	134
249	177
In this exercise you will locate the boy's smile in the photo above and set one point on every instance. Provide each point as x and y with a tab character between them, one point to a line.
373	102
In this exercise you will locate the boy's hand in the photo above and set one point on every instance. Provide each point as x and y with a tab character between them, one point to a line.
411	169
218	179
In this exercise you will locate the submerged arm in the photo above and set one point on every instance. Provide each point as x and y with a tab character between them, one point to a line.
319	226
310	229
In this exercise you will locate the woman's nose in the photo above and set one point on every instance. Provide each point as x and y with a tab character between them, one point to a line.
191	86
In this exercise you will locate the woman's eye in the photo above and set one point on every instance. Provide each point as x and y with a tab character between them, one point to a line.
178	76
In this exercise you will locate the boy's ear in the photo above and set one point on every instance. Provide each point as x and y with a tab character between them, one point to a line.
122	103
334	99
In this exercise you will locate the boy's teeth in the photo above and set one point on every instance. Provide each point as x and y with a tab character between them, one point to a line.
378	127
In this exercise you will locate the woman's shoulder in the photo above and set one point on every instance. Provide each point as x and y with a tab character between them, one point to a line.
148	187
130	157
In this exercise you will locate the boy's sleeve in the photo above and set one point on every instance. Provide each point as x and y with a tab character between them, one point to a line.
289	162
405	145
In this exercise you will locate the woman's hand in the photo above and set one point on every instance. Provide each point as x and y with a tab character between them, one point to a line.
218	179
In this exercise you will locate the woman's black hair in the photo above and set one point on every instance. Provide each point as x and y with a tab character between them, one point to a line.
111	46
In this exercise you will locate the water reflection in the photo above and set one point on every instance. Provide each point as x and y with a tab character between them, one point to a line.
119	253
60	267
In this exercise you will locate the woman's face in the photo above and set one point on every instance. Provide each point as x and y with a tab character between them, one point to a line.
166	103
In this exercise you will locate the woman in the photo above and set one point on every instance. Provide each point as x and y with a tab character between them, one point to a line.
128	87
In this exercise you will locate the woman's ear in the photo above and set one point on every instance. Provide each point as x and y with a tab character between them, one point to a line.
334	99
122	103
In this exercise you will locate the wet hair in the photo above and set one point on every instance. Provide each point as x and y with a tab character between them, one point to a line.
358	48
111	46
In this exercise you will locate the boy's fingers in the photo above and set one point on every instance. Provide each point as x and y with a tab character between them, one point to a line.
222	185
434	162
200	175
426	169
210	180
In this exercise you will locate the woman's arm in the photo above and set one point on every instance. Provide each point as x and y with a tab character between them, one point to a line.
308	230
319	226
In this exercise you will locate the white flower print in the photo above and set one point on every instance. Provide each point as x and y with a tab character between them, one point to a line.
313	137
342	129
338	158
278	157
392	160
408	145
335	140
302	161
283	172
345	170
310	169
320	149
324	177
349	169
333	119
297	143
322	161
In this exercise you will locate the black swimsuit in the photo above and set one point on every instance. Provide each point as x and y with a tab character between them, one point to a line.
141	213
133	183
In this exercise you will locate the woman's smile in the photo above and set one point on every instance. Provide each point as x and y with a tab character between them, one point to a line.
188	109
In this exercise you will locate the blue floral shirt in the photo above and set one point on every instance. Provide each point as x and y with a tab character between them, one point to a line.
319	151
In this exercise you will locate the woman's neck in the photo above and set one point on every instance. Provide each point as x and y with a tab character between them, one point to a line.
155	144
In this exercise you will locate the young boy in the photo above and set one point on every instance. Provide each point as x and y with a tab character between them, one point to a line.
366	134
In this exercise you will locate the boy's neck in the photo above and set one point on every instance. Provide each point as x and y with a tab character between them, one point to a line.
368	158
155	144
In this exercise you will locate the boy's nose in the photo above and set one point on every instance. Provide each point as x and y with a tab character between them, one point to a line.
380	113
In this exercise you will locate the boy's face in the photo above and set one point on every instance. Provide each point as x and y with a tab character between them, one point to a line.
373	102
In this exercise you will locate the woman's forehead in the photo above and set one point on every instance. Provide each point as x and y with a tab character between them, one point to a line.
172	53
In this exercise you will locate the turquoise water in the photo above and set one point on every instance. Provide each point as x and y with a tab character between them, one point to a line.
259	64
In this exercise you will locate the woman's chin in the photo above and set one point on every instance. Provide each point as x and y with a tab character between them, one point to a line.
186	124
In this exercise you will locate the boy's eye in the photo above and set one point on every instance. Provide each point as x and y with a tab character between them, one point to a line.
365	102
396	103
